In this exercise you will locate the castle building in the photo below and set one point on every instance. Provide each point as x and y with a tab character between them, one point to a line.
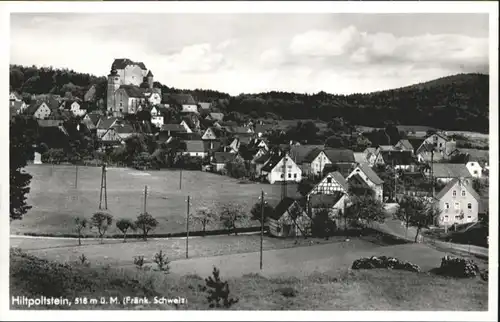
130	87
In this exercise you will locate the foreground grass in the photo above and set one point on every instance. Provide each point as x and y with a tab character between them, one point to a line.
350	290
56	201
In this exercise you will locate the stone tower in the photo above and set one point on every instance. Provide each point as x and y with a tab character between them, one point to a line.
150	79
113	85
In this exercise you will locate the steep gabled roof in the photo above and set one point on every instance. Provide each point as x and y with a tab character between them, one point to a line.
282	207
173	128
406	144
372	175
312	155
204	105
123	128
273	161
181	99
344	168
50	123
194	146
415	143
452	183
94	117
450	170
298	153
398	157
325	200
149	74
340	155
105	123
216	116
121	63
262	159
337	176
476	154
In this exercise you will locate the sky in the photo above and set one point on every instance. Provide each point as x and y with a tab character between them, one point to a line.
250	53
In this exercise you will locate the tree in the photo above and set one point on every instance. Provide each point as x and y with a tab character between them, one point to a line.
204	216
366	210
236	169
21	150
124	225
218	291
80	225
305	186
101	220
334	141
418	212
322	225
256	211
145	222
142	161
231	215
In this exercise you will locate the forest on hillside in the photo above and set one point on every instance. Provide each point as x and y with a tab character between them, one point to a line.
459	102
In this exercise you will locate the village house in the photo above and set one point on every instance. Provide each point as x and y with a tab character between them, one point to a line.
123	130
367	175
399	160
458	203
476	161
186	102
169	130
39	110
334	204
186	127
260	144
370	154
299	154
211	146
195	148
211	134
74	107
18	107
91	119
259	162
111	138
104	124
157	117
360	157
205	105
215	117
14	96
90	94
281	168
234	147
289	219
220	159
404	145
446	172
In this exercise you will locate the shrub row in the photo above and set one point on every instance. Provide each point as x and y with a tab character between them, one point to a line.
384	262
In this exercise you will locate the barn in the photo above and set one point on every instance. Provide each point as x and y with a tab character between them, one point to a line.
289	220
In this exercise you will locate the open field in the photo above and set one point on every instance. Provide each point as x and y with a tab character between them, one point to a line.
378	289
56	202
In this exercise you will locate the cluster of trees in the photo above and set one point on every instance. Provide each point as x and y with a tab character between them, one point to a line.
47	80
454	102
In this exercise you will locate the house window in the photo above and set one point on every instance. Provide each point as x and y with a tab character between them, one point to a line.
446	206
475	171
278	229
445	218
282	175
463	193
469	206
329	180
457	205
289	175
121	104
454	193
295	176
457	217
440	145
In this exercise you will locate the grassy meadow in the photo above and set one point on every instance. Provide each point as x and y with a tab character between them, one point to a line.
56	201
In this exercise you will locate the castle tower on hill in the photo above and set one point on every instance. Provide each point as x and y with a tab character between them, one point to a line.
124	94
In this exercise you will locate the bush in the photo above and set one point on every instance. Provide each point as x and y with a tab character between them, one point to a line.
458	267
384	262
162	261
218	291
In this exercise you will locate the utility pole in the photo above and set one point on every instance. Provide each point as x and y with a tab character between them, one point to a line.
432	174
261	225
395	179
187	228
145	197
180	180
76	177
103	187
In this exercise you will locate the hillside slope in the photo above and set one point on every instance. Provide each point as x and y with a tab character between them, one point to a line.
458	102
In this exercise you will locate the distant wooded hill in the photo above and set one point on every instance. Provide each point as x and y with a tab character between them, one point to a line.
459	102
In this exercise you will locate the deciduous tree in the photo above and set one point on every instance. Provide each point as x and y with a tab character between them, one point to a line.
101	221
145	222
124	225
